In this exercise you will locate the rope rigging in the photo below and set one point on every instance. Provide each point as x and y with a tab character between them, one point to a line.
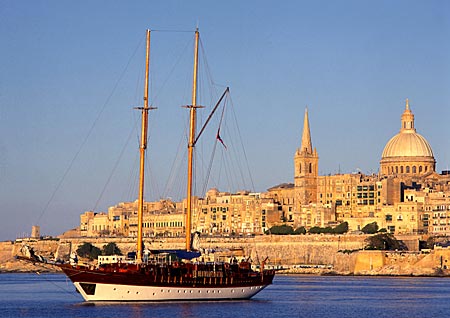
88	134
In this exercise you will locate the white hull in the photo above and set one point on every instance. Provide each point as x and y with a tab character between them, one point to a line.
112	292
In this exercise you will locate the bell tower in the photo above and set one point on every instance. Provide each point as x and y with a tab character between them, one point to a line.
306	167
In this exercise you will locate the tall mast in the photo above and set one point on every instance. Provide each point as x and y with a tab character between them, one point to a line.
192	125
142	148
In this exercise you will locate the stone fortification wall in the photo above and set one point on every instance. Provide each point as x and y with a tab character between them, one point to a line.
402	263
285	250
340	254
305	249
281	250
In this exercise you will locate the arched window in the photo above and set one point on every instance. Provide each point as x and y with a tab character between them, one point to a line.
426	168
401	169
407	169
414	169
420	169
300	168
310	168
396	169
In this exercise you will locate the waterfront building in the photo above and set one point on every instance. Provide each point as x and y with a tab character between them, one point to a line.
219	213
407	169
121	220
234	213
407	196
435	206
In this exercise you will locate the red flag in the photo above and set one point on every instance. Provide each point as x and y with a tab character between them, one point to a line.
220	139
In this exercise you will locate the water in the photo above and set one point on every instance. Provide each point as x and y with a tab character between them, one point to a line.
52	295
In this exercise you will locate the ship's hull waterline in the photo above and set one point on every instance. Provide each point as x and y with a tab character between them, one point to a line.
132	293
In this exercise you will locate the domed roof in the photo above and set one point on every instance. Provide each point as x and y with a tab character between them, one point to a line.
407	143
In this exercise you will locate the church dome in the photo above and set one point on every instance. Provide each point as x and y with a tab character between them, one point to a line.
407	152
407	145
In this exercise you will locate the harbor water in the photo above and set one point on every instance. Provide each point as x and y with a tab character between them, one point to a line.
53	295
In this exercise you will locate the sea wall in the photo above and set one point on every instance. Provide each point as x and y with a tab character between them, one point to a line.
338	254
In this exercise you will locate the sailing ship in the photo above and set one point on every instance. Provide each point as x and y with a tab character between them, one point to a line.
176	275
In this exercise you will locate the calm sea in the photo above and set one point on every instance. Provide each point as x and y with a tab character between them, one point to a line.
52	295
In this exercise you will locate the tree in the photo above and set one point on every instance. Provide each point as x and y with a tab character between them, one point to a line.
316	230
300	230
384	242
88	250
341	228
111	249
281	230
370	228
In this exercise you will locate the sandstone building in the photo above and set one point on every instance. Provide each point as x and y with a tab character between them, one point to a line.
407	196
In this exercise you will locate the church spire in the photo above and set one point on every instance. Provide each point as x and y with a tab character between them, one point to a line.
306	136
306	172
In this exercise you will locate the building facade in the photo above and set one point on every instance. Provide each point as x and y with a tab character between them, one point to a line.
407	196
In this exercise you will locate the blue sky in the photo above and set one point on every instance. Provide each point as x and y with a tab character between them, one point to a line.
353	63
